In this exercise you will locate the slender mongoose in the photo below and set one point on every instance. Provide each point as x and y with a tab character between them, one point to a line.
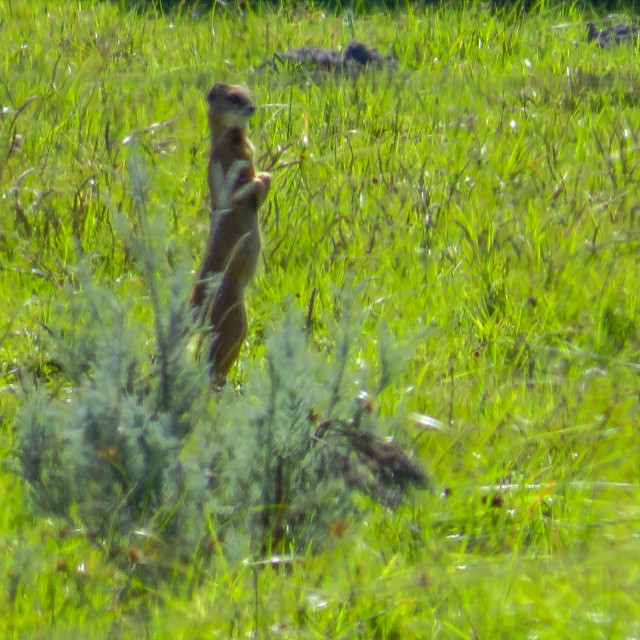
233	246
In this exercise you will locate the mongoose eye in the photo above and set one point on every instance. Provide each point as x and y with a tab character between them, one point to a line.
236	99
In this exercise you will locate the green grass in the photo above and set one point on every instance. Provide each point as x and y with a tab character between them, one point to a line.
482	200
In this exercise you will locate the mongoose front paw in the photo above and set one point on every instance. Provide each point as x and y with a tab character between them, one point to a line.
265	178
263	183
258	187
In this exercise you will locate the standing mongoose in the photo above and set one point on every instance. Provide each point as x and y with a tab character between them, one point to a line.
233	246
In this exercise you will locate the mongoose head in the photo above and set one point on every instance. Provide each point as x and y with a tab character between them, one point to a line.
230	105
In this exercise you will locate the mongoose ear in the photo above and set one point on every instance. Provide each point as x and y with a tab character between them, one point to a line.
218	89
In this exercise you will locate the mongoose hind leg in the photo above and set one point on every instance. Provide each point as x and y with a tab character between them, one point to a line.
229	326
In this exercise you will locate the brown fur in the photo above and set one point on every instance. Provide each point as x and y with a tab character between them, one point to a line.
233	246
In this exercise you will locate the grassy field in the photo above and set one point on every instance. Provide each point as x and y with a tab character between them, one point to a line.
482	200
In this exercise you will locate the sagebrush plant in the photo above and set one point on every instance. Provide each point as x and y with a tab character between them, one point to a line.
135	439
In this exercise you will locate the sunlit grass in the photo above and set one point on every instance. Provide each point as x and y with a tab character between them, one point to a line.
482	199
